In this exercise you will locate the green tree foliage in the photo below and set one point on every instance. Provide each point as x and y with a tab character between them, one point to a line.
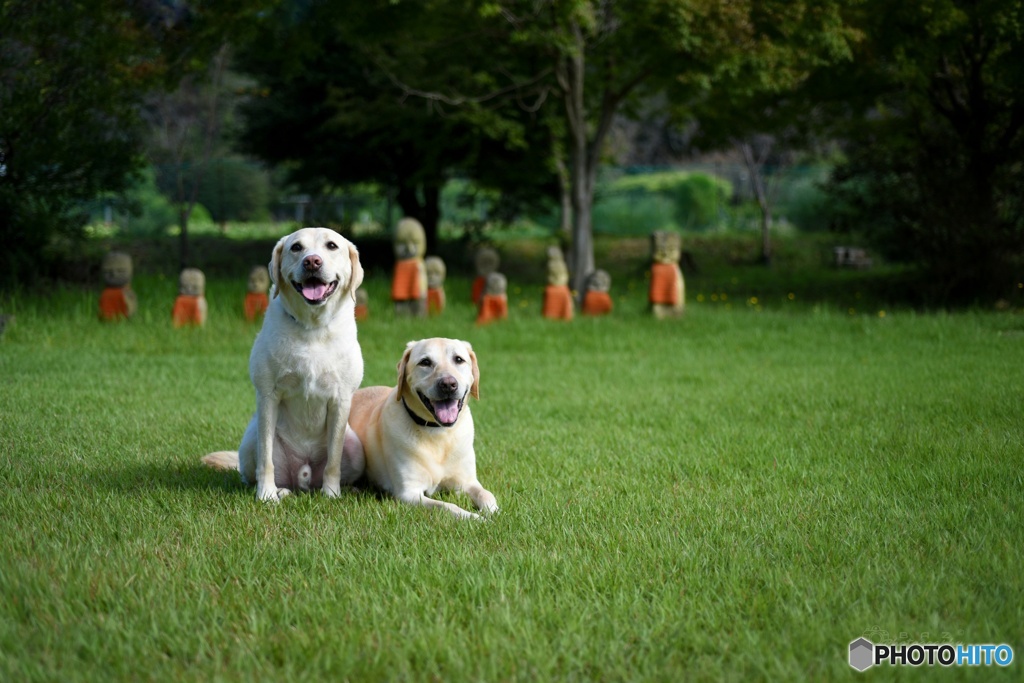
401	91
234	189
140	209
933	172
608	56
697	198
70	77
355	94
754	106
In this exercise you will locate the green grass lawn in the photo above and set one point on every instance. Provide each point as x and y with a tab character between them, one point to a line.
734	495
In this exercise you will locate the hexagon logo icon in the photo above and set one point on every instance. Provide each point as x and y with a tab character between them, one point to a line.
861	654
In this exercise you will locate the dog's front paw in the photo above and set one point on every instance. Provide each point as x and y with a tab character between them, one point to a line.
271	494
483	499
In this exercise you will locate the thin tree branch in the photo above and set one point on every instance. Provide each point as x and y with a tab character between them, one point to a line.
460	100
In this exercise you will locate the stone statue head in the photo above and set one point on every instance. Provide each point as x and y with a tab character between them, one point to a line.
486	261
410	239
436	271
496	284
259	280
117	269
599	281
192	282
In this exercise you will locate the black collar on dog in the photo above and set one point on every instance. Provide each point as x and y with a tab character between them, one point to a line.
416	418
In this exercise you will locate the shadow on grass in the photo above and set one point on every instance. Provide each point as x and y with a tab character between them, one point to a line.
133	477
142	476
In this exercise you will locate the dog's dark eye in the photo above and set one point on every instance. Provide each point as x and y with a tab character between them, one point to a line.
425	363
459	360
332	246
297	246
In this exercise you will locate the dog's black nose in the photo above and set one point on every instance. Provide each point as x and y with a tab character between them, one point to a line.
448	385
312	262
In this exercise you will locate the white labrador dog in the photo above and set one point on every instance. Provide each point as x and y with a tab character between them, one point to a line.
305	364
417	437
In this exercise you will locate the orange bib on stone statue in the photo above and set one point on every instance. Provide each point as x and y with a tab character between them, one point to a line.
597	303
435	301
478	288
492	307
256	304
114	304
187	311
557	302
664	284
405	285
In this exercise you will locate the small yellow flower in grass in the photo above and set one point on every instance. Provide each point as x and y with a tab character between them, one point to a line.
700	298
714	297
524	303
1020	285
725	297
752	301
791	296
852	311
881	314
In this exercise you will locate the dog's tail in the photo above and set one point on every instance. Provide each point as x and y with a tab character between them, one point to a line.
222	460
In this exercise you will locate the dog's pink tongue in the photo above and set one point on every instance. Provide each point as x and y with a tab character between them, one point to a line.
314	292
447	411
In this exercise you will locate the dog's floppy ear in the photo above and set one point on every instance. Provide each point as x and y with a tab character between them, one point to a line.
474	390
275	266
356	278
402	383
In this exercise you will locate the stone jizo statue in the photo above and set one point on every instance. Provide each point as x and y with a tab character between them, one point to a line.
117	301
436	272
485	261
493	300
558	304
409	283
668	290
256	300
598	300
190	306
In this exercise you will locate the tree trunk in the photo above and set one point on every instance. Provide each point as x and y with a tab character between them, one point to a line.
187	197
564	198
582	169
431	213
766	234
408	202
585	143
755	169
184	255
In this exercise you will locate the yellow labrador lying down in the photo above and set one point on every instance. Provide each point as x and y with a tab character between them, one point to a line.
417	437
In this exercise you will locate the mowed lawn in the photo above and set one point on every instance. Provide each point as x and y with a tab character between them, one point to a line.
734	495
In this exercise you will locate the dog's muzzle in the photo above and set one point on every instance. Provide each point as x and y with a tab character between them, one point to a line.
445	410
314	290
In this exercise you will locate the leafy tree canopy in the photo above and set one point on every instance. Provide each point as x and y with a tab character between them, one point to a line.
360	95
72	75
933	118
